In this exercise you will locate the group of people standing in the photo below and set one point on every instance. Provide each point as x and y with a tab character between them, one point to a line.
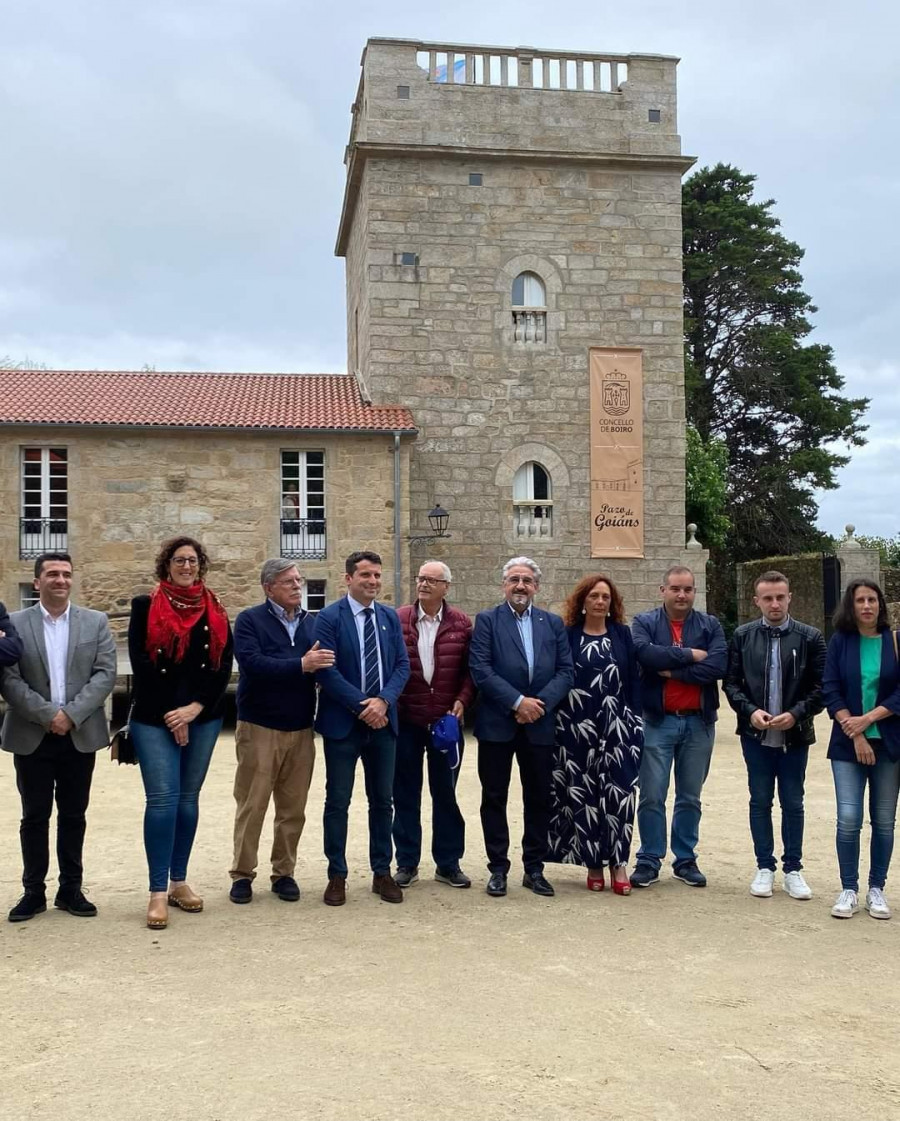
597	715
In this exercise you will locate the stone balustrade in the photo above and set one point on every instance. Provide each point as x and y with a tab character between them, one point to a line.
529	325
523	67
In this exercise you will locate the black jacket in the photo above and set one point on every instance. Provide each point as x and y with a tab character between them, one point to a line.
802	667
163	685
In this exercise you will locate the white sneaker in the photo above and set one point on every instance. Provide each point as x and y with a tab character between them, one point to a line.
796	886
762	883
876	904
846	905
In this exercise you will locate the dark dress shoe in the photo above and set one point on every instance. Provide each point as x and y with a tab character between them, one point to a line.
286	888
496	884
386	887
241	891
336	892
535	882
29	905
75	904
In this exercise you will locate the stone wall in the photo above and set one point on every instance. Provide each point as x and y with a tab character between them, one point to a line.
606	239
804	572
131	489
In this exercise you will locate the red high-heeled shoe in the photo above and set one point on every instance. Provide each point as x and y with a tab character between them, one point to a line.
620	887
596	883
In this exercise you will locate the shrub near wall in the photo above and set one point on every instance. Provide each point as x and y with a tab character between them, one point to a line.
805	574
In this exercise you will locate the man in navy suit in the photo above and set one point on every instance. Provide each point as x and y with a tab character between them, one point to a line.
521	662
276	702
357	718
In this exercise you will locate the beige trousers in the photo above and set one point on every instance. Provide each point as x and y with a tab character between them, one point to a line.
276	765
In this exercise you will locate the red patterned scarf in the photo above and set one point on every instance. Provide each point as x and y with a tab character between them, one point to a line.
174	612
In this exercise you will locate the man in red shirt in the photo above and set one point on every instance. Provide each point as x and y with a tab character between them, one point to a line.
682	654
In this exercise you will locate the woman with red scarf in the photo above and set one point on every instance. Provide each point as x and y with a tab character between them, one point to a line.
179	640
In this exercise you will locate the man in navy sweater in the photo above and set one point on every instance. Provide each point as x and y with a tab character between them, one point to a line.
276	704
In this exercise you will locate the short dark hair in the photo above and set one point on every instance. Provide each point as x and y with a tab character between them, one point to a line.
362	555
572	610
39	561
771	577
844	618
675	568
168	549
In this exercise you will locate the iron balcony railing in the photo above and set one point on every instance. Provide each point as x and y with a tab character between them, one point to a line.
303	538
42	535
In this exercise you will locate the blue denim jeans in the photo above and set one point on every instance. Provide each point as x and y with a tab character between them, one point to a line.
448	829
172	778
376	748
765	767
686	741
850	780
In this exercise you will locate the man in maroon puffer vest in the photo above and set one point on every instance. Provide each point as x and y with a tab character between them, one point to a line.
437	641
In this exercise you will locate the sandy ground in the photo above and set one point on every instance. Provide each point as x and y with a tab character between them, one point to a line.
673	1003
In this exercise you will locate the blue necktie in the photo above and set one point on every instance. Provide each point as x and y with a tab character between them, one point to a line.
370	654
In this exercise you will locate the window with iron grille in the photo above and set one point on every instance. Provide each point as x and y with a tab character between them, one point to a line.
303	504
44	519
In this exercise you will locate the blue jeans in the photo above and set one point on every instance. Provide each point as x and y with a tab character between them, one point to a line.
448	829
765	766
377	749
172	778
688	742
850	780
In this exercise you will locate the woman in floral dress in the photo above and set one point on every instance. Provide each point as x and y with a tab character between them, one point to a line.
599	736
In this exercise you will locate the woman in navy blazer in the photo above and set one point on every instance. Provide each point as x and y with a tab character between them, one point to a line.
599	737
862	695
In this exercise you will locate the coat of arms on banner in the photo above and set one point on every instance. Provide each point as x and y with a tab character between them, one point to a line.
616	399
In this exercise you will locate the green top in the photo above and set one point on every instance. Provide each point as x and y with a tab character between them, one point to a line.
870	671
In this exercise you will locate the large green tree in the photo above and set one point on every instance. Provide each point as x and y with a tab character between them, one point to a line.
751	381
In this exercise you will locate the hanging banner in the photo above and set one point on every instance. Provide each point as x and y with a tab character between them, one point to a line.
617	452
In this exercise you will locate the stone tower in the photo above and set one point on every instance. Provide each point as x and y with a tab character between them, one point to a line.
506	210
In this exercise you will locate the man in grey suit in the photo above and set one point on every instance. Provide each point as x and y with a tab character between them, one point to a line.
54	725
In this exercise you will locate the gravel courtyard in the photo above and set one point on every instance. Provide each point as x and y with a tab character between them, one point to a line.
674	1003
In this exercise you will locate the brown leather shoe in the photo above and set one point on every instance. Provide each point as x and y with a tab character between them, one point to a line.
157	912
386	887
336	892
185	899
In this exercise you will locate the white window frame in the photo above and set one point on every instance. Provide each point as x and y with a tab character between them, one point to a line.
532	517
306	469
534	291
42	527
321	590
28	596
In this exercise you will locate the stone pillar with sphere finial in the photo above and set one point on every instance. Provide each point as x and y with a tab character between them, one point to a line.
696	558
857	561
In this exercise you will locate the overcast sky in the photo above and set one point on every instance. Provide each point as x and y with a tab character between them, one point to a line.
172	172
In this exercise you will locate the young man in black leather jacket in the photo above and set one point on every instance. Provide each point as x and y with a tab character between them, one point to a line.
774	684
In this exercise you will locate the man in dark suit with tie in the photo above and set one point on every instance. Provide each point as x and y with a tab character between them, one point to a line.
521	662
357	718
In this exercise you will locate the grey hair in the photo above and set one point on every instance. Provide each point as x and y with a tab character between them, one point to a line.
526	562
273	568
445	569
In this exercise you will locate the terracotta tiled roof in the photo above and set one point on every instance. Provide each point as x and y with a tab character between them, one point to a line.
316	402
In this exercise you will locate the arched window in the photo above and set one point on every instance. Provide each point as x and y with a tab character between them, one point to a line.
529	308
528	291
532	501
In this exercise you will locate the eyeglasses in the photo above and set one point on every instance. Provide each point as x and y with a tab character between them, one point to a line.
526	580
430	580
185	562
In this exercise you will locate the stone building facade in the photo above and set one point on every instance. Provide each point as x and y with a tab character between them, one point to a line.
130	480
471	171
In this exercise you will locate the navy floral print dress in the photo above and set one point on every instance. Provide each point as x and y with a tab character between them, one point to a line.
599	737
